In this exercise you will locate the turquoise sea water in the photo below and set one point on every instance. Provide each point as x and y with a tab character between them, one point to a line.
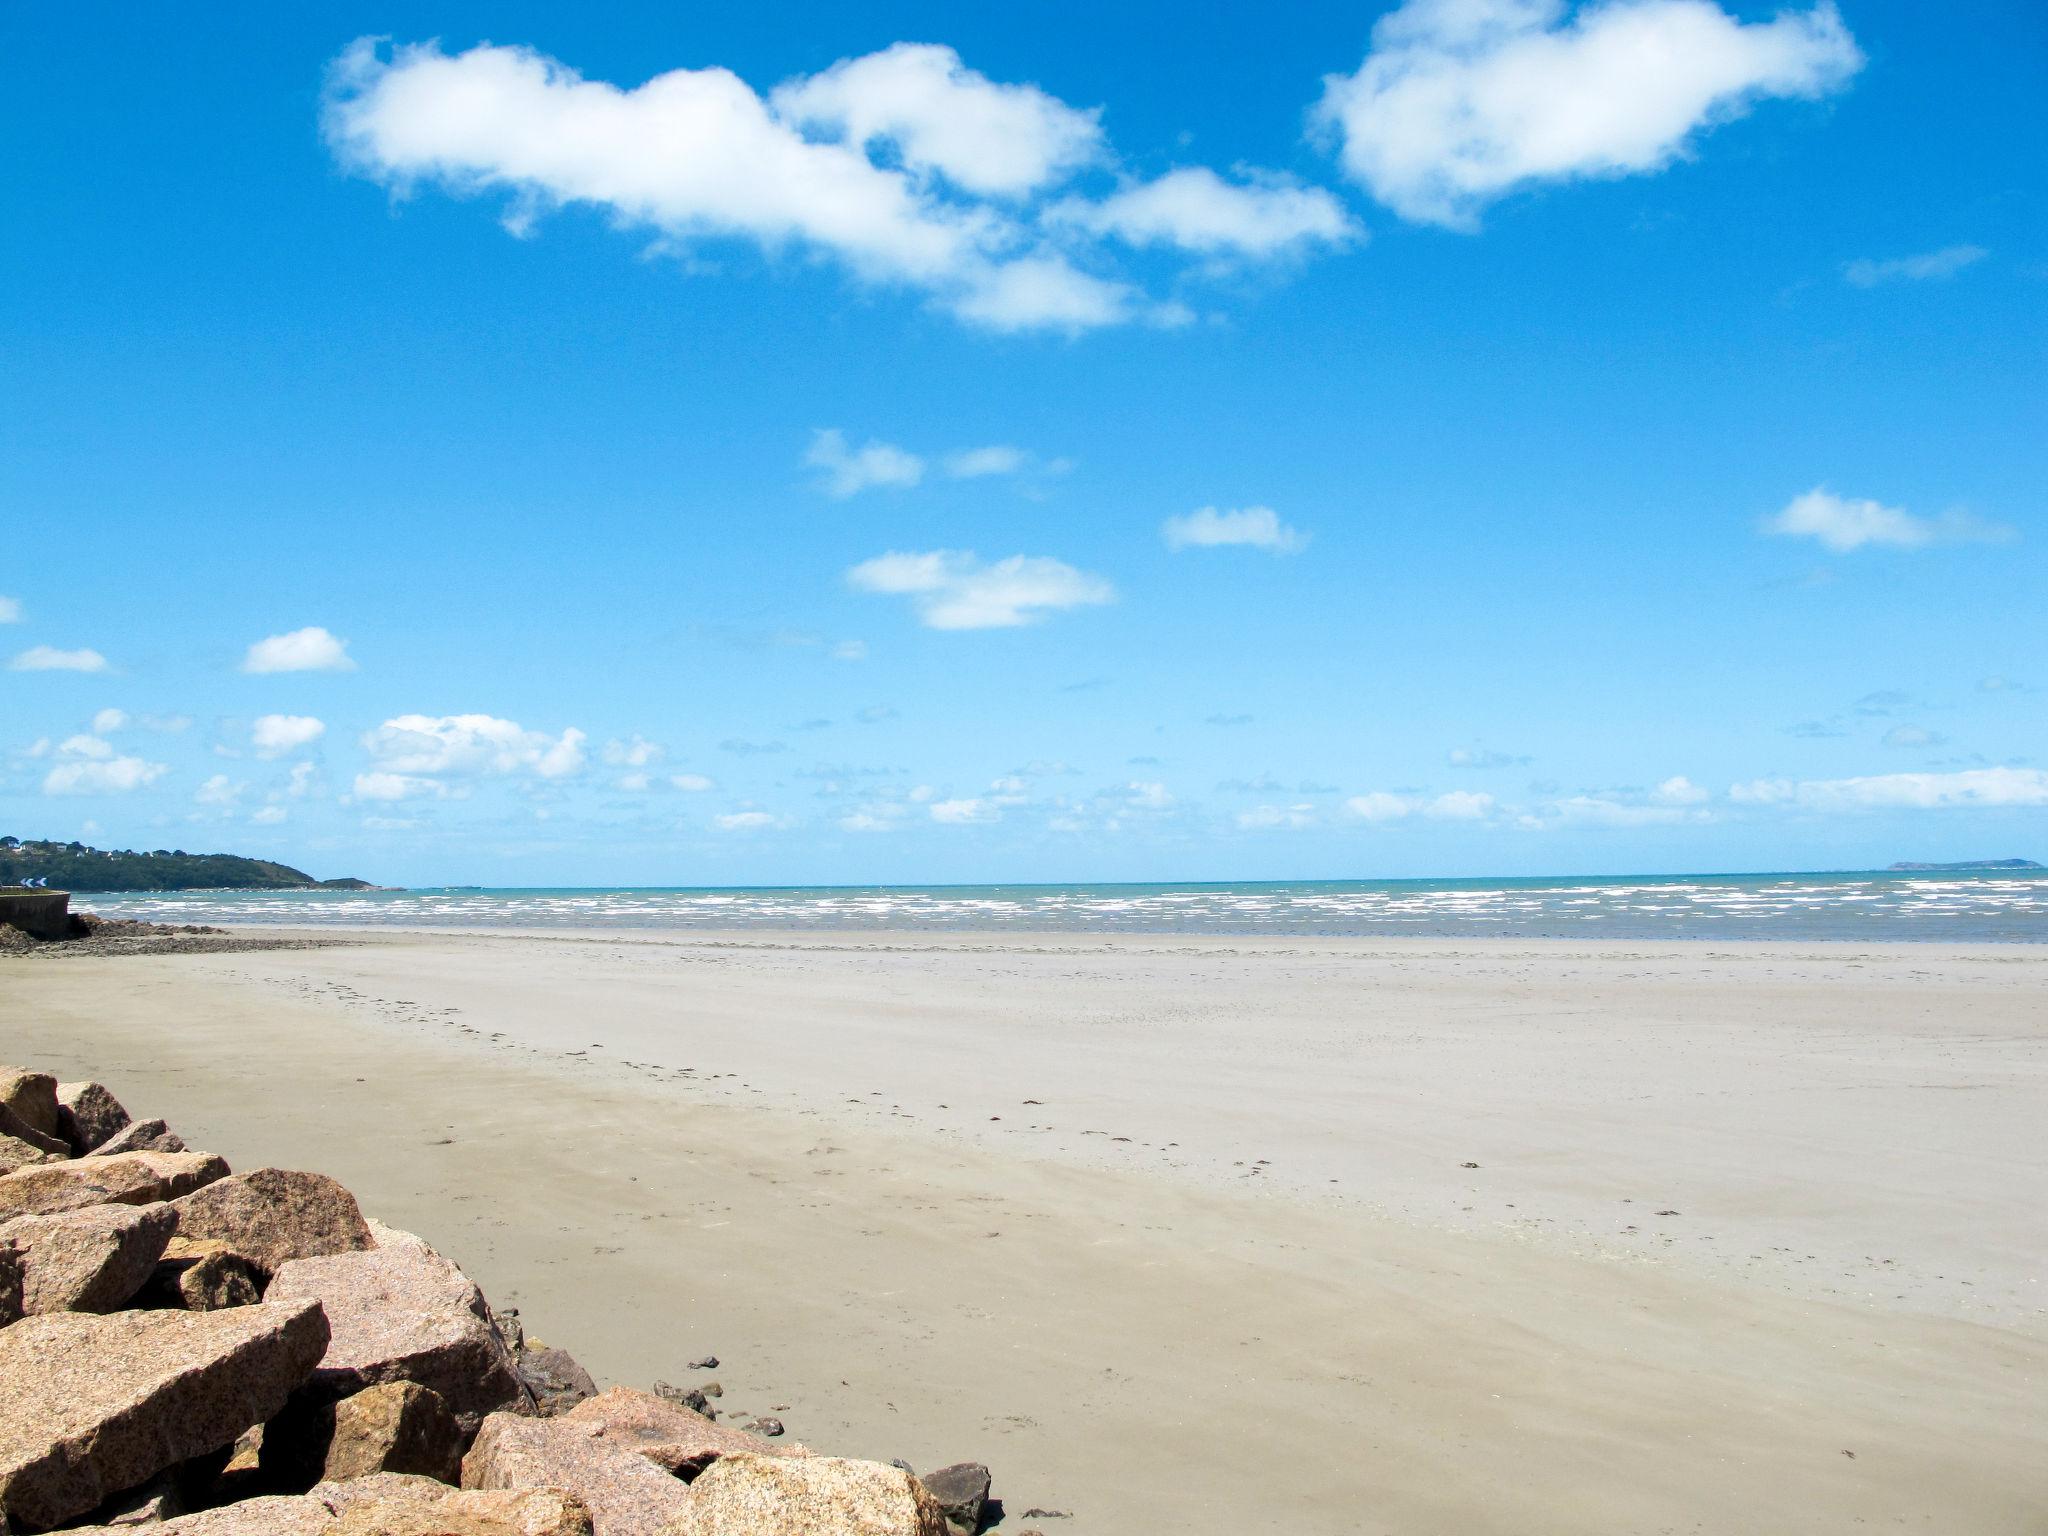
1961	907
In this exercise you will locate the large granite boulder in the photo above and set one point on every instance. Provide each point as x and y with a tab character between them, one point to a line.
385	1505
626	1494
274	1215
89	1260
133	1178
141	1136
30	1095
15	1128
88	1116
808	1496
23	1152
678	1441
93	1405
399	1426
404	1313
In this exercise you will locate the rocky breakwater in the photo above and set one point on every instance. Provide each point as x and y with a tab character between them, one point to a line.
222	1354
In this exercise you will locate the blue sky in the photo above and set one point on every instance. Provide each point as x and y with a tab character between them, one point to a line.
669	445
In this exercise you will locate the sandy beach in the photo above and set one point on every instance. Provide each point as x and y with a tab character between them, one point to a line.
1203	1235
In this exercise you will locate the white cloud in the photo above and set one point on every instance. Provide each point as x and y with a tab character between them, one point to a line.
1843	524
1196	210
1931	265
412	749
1267	817
1679	790
276	735
849	471
1252	527
10	610
47	658
1606	811
1380	806
876	818
311	649
943	118
747	821
218	790
954	589
1460	805
638	752
961	812
87	765
268	816
690	783
381	785
696	155
301	782
1973	788
850	650
107	721
977	463
1147	795
1461	101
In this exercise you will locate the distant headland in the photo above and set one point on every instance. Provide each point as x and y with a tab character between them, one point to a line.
75	867
1965	864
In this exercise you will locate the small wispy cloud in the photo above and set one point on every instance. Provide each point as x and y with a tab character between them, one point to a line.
1245	527
47	658
1929	266
956	589
1844	524
10	610
847	471
980	463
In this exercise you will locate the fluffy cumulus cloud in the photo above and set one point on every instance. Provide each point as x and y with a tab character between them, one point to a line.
311	649
278	735
47	658
1971	788
942	119
1929	266
1844	524
414	756
1460	102
90	765
1246	527
748	821
847	471
905	166
954	589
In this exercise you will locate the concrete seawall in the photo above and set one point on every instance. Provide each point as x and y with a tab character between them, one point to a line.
45	914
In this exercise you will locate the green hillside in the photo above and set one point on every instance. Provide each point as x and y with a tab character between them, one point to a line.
75	867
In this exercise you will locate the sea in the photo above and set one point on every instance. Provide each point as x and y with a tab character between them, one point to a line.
1975	906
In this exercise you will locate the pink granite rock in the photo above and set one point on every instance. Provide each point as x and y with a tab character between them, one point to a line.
142	1136
91	1405
676	1440
404	1313
30	1095
89	1260
88	1116
274	1215
133	1178
626	1494
808	1496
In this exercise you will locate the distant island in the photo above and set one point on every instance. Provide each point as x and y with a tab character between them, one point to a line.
1966	864
75	867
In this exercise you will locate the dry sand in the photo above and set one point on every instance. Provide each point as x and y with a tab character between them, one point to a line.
1754	1244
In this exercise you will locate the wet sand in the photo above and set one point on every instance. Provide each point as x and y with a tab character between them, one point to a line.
1739	1211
